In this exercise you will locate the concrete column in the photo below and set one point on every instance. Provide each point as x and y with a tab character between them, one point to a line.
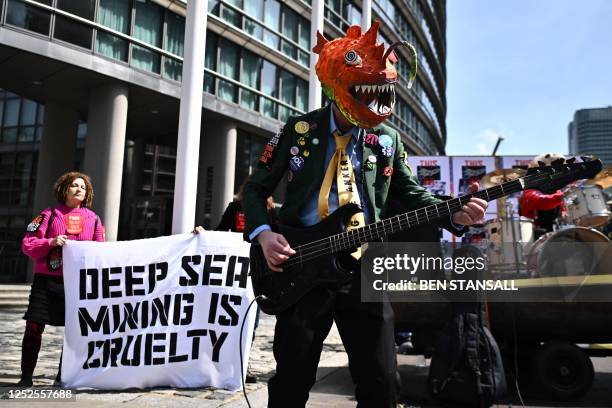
56	152
190	115
104	149
314	86
134	167
366	14
216	172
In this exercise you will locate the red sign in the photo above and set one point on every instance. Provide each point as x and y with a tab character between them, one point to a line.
74	223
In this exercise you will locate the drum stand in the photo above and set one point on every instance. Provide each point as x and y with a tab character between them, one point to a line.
509	211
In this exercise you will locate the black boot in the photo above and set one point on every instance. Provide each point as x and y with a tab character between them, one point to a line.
26	381
58	379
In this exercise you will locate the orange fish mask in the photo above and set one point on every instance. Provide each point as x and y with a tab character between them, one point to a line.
359	76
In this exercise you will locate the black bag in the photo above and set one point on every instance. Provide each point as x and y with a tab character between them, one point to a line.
466	367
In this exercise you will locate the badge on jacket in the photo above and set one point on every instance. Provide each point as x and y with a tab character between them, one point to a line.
74	223
54	259
268	151
36	223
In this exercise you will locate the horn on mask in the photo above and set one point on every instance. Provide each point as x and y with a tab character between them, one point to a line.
414	62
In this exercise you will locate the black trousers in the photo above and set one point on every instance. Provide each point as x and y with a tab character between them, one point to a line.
367	333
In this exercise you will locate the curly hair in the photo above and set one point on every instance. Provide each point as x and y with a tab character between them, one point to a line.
60	189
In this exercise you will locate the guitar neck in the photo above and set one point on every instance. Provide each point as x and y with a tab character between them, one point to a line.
424	215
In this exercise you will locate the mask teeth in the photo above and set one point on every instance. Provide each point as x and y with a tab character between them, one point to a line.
385	96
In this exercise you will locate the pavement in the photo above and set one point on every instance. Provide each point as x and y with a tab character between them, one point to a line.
333	388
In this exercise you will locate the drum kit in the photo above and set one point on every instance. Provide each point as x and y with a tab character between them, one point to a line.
513	247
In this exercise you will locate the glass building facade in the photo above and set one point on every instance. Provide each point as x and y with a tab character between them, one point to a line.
590	133
256	60
148	37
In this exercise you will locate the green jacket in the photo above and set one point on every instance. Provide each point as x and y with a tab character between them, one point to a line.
273	166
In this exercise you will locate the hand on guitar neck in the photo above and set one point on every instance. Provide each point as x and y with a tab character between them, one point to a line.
473	211
276	249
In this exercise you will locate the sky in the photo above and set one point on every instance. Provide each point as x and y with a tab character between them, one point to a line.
521	68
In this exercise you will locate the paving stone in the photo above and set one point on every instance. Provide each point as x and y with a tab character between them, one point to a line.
261	363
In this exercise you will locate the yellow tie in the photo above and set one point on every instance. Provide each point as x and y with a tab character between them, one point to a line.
340	165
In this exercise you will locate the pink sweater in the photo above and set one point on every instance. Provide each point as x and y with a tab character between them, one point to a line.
37	241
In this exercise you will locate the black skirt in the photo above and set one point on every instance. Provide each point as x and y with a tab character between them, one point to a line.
47	300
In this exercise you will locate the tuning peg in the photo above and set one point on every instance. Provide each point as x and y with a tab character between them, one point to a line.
558	161
571	160
541	164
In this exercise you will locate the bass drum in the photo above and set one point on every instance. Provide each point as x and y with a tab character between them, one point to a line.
570	251
586	206
509	240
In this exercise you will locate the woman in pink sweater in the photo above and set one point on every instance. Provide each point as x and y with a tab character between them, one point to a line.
71	219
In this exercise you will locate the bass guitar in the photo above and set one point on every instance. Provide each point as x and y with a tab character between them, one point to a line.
322	251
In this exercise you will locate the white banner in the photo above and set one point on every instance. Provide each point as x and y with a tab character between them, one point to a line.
157	312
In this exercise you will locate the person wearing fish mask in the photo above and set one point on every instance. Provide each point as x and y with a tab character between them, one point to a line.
342	153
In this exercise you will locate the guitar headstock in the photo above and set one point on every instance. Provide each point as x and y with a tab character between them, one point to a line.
560	173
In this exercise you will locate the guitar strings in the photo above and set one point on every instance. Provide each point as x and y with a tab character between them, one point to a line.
324	241
326	244
411	218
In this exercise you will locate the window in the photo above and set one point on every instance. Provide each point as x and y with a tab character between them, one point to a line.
254	8
333	12
11	112
268	87
288	86
175	34
250	73
271	19
304	41
28	112
229	67
29	17
302	95
148	27
114	14
290	30
9	135
230	15
248	149
71	31
210	62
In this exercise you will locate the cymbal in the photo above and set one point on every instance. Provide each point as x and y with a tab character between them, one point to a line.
603	178
498	177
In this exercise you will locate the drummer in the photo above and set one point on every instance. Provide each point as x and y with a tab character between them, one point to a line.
543	209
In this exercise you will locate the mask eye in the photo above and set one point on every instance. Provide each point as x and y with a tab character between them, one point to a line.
352	58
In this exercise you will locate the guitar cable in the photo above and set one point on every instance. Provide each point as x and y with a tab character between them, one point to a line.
516	369
263	297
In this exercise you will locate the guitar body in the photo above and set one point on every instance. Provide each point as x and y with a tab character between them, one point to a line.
283	289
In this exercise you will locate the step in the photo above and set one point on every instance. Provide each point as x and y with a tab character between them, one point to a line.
14	296
14	304
24	287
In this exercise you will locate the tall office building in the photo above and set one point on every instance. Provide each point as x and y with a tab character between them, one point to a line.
95	85
591	133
